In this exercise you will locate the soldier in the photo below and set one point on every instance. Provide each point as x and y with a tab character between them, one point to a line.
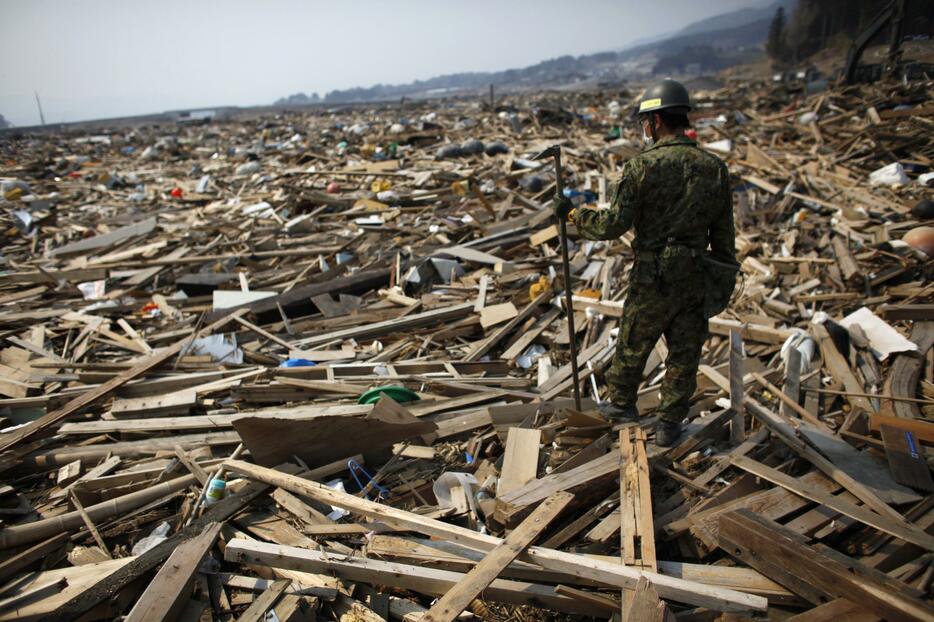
677	198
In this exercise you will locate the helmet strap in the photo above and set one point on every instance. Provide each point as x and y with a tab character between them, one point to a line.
652	127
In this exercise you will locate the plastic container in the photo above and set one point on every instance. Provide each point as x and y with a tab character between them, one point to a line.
217	490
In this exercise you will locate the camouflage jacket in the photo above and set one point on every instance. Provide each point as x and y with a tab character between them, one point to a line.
673	194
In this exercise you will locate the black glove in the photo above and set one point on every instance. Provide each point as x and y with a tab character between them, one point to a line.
561	206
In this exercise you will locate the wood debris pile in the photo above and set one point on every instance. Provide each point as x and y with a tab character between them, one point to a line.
194	318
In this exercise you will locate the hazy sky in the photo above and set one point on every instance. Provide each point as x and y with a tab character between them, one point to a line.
103	58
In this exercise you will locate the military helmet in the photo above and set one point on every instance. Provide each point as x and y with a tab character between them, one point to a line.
665	95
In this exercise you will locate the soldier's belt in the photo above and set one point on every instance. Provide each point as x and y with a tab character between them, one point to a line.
672	250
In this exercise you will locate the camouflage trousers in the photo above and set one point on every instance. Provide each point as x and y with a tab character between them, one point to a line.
674	309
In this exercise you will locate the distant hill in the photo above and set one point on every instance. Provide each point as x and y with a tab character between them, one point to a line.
736	18
708	45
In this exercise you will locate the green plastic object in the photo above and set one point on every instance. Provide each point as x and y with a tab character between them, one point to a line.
399	394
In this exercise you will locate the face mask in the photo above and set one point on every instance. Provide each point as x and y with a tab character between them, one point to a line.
648	140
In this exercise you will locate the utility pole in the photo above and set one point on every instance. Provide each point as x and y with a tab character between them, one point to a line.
39	104
491	97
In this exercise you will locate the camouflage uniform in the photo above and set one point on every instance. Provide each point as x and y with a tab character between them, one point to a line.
678	199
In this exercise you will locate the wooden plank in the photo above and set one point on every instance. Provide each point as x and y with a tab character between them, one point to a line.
789	404
581	522
78	578
906	459
450	556
497	314
836	610
377	329
106	239
86	399
737	391
749	331
902	530
256	612
483	574
210	422
193	467
511	507
637	530
848	266
298	508
294	608
77	275
613	574
816	573
299	298
68	473
421	579
19	562
528	338
168	593
485	345
913	312
545	235
840	369
481	295
922	430
176	402
520	459
472	255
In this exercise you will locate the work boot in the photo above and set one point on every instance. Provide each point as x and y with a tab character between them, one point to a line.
666	433
613	412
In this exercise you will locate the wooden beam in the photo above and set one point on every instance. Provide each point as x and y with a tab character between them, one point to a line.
425	580
442	554
168	593
610	574
456	599
816	573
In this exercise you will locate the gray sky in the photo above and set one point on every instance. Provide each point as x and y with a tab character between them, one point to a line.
103	58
